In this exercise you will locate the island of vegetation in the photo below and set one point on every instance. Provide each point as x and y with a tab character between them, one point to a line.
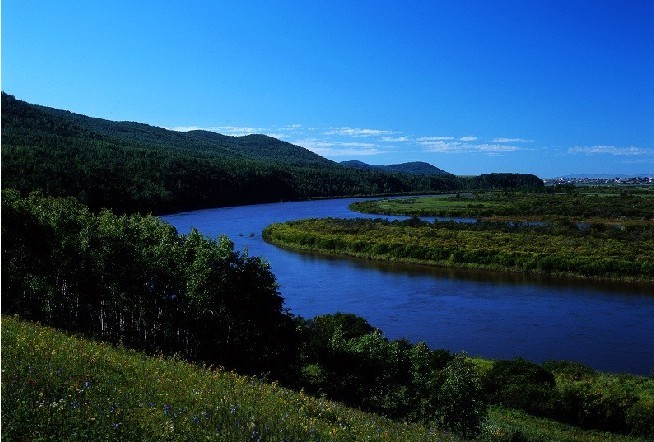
589	235
182	337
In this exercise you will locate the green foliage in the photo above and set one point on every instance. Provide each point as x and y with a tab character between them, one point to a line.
346	359
580	205
462	407
133	280
521	384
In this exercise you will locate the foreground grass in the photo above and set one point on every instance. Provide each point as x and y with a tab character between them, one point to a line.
57	387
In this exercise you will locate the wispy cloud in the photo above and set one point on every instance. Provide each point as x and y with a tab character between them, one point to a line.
611	150
497	148
466	139
509	140
395	139
336	148
433	144
423	139
356	132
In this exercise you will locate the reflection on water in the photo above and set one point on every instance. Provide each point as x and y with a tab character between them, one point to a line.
500	315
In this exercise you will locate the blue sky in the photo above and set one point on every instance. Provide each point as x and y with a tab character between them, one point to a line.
550	87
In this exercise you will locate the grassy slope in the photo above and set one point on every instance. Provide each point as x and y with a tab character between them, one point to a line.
57	387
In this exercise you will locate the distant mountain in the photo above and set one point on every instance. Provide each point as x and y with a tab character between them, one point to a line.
414	167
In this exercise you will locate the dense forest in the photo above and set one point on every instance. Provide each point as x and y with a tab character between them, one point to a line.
133	167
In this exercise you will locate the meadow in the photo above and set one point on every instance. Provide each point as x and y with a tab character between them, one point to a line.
58	387
65	388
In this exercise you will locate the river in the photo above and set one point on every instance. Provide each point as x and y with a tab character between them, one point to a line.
496	315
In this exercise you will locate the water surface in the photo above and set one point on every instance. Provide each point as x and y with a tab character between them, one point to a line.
608	326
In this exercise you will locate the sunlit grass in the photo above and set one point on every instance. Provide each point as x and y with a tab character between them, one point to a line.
55	387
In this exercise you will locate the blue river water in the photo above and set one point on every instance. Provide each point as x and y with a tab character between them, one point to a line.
607	326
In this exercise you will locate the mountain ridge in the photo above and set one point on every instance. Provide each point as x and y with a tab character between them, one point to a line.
411	167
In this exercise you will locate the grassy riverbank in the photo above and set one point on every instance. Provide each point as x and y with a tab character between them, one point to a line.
560	249
58	387
609	205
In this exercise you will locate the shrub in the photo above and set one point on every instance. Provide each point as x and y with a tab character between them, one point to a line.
521	384
462	408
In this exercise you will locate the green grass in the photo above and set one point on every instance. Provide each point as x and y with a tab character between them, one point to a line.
585	205
57	387
511	425
63	388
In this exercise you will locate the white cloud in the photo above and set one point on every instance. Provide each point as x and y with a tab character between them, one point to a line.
356	132
435	139
468	139
395	139
313	143
337	149
443	146
509	140
497	148
454	146
355	144
611	150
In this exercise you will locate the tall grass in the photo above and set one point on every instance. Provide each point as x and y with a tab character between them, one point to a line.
56	387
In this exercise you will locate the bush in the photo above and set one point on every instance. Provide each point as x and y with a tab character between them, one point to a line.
640	418
462	408
521	384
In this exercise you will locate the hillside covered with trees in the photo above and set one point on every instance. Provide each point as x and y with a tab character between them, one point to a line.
133	167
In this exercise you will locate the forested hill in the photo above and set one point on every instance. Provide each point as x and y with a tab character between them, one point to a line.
413	167
261	147
133	167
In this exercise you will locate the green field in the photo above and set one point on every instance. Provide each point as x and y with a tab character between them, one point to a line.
609	204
